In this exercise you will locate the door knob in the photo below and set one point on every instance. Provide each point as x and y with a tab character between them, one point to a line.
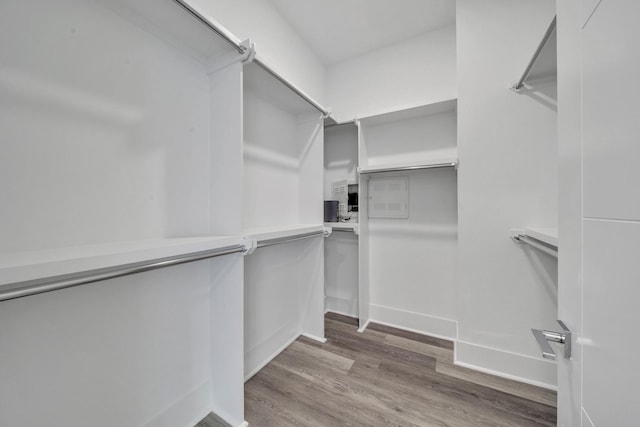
543	337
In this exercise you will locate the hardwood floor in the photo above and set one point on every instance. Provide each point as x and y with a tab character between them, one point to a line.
385	377
212	420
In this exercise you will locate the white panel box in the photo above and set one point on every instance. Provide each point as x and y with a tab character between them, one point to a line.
389	198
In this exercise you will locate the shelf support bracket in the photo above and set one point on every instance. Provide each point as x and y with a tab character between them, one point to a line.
227	59
250	245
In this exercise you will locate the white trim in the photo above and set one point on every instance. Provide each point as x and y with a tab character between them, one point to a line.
257	369
505	364
313	337
244	424
330	310
414	322
363	327
333	302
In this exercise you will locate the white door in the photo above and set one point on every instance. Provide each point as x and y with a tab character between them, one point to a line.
599	224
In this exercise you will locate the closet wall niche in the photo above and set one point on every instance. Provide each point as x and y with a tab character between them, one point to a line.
113	131
341	247
282	189
408	231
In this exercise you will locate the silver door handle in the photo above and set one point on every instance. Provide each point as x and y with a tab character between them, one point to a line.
543	337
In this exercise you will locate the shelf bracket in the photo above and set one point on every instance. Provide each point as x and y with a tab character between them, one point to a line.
250	245
225	60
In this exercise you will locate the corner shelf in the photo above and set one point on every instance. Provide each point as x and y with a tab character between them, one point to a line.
410	111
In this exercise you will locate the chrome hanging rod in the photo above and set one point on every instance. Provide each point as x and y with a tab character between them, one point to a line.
242	49
410	168
537	244
219	31
534	59
280	240
326	113
49	284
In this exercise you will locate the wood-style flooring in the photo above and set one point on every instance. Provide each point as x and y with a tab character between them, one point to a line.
385	377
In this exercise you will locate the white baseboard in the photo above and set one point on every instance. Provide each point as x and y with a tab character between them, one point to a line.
313	337
328	310
362	328
244	424
513	366
191	407
264	363
414	322
341	306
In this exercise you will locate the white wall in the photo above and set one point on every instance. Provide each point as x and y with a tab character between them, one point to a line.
413	260
415	71
276	41
507	179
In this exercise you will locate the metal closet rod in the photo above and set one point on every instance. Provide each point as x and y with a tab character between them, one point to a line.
534	59
49	284
280	240
410	168
535	243
314	104
211	26
242	49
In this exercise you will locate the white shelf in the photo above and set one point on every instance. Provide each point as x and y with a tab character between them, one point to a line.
269	233
546	235
410	111
350	226
543	66
22	266
266	84
427	163
183	25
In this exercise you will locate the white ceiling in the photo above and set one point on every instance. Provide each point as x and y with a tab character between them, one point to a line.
341	29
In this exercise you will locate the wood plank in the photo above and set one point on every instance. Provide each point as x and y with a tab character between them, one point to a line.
383	379
498	407
438	342
420	347
527	391
360	346
330	401
212	420
341	318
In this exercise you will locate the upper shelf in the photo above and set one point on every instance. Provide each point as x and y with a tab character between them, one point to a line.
344	226
178	22
278	232
34	265
542	239
265	84
544	63
429	163
410	112
546	235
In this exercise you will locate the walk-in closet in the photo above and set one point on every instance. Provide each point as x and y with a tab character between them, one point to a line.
219	213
